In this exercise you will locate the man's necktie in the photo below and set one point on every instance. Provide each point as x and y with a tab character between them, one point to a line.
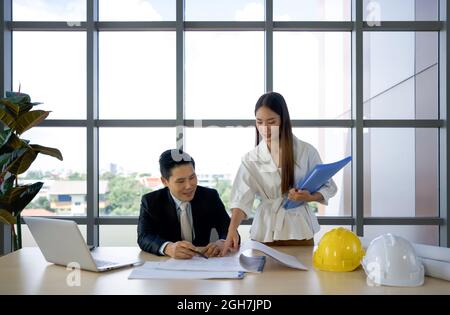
186	229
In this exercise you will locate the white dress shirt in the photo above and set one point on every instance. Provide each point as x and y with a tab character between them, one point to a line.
259	177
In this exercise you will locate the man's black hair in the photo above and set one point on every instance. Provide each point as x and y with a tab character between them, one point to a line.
172	158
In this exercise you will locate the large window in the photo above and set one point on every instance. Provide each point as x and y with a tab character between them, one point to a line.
128	166
137	75
402	166
401	10
401	75
313	72
64	191
224	74
219	10
217	164
49	10
361	78
312	10
136	10
51	67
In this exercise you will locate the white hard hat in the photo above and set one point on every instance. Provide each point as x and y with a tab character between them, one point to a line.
391	260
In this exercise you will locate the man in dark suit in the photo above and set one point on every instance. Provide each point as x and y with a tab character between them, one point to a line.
175	219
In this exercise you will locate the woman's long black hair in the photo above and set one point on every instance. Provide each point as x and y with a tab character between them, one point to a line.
276	103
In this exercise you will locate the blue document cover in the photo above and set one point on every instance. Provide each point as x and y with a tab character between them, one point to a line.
317	178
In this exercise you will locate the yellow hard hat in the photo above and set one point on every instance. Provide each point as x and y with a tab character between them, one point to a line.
338	250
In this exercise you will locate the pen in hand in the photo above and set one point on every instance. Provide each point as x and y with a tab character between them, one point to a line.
201	254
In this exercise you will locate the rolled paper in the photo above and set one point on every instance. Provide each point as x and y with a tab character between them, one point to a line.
436	268
433	252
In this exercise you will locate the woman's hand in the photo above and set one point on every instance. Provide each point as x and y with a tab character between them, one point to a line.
231	243
304	195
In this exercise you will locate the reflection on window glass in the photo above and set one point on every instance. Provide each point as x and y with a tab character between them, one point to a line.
401	75
64	190
28	239
137	75
128	161
137	10
428	235
401	172
313	72
333	144
51	68
224	74
311	10
49	10
400	10
217	153
219	10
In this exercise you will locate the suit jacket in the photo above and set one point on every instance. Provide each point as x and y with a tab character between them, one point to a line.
159	223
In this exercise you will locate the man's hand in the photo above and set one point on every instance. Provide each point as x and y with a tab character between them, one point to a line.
180	250
214	249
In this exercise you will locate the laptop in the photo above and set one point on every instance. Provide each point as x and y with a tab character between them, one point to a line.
61	243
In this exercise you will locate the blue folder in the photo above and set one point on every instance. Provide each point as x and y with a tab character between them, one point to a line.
320	175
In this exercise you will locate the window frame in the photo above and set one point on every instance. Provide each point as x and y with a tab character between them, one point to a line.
357	26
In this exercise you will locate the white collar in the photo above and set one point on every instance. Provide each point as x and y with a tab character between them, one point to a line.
177	201
261	154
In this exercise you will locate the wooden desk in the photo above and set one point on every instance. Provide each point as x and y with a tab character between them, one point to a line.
27	272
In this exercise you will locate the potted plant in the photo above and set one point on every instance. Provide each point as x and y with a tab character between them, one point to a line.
16	156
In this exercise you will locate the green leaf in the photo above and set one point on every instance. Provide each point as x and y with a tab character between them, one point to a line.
7	118
12	108
12	143
4	159
8	158
7	183
29	120
16	143
22	101
26	107
7	217
17	97
22	162
16	199
4	136
47	151
11	195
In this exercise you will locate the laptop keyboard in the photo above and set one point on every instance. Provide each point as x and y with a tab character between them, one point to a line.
103	263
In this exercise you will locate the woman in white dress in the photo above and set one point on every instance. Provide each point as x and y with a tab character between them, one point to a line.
269	173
